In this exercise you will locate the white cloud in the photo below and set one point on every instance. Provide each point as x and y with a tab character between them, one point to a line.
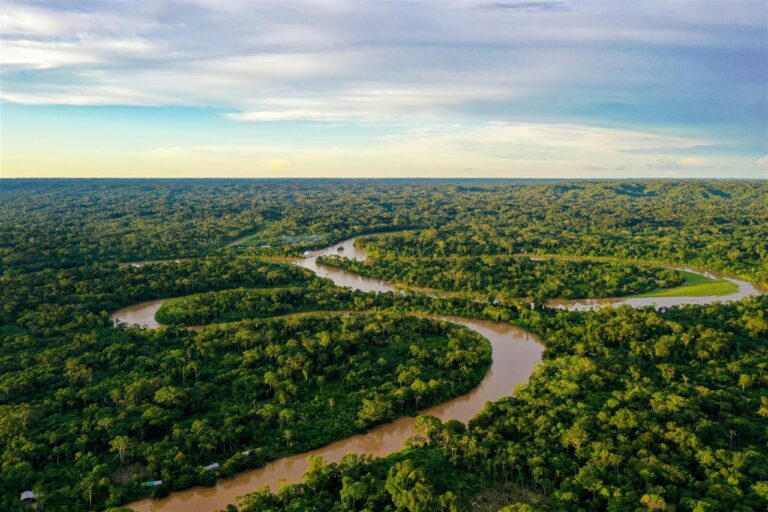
36	55
28	20
233	53
486	147
289	115
29	54
83	96
435	77
375	103
669	164
540	141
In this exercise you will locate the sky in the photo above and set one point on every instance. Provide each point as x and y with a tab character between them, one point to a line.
452	88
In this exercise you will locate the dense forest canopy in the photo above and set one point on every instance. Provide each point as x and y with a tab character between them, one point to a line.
134	405
720	225
512	276
630	409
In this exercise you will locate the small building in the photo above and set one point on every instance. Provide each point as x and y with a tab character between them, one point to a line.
28	497
212	467
340	249
152	483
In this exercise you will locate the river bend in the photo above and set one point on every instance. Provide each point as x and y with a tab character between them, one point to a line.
515	354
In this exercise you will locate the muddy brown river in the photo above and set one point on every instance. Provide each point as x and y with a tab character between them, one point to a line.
515	354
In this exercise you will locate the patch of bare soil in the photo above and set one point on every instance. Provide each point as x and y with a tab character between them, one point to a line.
129	472
495	498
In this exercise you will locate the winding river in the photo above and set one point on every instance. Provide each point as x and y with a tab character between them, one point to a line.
515	354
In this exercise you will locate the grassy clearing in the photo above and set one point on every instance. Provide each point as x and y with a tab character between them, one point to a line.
695	285
252	239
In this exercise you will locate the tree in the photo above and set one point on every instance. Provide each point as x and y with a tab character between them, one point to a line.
121	444
352	491
409	488
653	502
168	395
374	410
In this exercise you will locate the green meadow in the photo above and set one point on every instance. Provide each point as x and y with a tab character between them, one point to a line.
695	285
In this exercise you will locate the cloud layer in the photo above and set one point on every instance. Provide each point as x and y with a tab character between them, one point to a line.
683	70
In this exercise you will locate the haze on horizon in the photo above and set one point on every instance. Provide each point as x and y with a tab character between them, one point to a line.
539	89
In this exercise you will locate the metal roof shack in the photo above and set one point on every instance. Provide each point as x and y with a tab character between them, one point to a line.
28	497
152	483
212	467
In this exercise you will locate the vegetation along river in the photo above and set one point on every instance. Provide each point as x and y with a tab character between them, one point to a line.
515	354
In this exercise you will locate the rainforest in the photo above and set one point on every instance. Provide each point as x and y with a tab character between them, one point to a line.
383	345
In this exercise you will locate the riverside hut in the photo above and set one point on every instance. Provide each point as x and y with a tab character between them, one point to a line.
28	497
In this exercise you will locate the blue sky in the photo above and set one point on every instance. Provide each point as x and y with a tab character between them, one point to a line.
603	89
